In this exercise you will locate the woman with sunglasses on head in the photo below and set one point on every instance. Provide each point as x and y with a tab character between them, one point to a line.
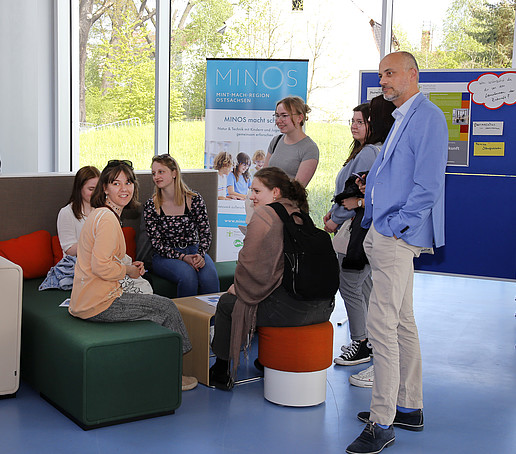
293	151
72	217
370	126
97	293
178	227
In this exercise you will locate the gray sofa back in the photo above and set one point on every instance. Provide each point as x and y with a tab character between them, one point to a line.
32	202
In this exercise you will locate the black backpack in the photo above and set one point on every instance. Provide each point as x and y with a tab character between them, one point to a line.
311	267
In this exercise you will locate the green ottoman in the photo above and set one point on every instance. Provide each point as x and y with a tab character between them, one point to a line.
98	374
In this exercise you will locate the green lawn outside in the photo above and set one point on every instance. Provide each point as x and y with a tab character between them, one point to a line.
187	146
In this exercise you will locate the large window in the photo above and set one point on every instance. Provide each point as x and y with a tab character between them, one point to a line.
116	81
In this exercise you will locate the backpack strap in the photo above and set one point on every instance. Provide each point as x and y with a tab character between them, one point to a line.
276	143
280	211
288	220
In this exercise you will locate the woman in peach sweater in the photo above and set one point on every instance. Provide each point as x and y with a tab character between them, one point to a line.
97	294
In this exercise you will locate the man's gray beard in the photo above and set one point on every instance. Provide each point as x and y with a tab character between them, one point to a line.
390	98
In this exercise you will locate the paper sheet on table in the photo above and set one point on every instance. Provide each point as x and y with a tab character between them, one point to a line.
212	300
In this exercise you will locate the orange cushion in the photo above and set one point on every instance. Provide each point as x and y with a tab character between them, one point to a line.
296	349
57	251
130	241
33	252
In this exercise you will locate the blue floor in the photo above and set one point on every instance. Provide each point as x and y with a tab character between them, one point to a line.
468	333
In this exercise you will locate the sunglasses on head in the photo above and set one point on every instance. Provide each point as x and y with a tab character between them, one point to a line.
117	162
162	156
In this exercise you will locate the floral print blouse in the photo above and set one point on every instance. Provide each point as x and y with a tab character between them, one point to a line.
168	233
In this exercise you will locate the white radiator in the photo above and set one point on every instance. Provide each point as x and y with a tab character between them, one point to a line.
11	280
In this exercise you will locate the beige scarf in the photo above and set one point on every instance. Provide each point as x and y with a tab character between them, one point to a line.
258	273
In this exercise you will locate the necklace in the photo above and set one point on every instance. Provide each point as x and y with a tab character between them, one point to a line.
116	209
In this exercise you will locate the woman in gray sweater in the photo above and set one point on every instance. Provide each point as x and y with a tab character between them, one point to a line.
370	126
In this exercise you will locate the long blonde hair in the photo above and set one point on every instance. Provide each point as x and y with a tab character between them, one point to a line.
180	188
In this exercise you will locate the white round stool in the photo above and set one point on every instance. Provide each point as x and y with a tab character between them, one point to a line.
295	360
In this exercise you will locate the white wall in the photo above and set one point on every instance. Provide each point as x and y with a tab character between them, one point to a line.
26	86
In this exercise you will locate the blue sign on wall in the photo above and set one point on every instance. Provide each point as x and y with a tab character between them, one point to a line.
253	84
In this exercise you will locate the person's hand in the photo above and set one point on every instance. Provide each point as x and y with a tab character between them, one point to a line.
198	261
189	259
195	261
330	226
140	266
132	271
361	184
350	203
231	289
326	217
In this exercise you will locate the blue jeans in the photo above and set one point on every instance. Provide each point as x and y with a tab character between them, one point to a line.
189	281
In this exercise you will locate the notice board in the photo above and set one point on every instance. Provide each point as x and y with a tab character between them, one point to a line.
480	109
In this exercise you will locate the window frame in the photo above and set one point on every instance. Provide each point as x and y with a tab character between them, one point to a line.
67	83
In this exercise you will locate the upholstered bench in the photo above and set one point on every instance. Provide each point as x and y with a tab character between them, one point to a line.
98	374
295	360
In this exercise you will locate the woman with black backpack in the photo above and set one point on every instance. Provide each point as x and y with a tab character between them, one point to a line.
257	296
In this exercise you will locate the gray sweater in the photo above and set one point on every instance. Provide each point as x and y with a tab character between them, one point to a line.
362	162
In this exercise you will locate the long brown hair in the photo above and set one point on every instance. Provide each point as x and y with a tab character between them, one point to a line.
356	146
242	158
180	188
81	177
274	177
108	175
380	120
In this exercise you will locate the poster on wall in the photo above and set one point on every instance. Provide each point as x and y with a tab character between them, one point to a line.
453	99
241	97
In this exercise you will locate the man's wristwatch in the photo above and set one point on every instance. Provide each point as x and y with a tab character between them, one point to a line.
360	202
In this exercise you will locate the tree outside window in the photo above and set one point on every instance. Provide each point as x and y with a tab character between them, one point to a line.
297	5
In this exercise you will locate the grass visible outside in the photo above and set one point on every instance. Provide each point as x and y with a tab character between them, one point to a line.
187	146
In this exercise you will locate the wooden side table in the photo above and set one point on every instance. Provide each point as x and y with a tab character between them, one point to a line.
197	315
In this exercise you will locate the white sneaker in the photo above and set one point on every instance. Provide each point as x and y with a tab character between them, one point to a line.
364	379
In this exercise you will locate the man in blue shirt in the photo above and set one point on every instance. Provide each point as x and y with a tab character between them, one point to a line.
404	208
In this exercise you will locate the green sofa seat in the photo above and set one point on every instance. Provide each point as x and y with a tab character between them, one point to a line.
101	374
98	374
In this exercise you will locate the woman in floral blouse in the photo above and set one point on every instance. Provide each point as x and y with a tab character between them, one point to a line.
177	224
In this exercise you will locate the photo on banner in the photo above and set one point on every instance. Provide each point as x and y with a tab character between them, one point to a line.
241	97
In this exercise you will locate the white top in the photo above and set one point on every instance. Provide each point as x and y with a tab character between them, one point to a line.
222	186
68	227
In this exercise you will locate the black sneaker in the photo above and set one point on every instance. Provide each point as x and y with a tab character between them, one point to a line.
220	380
372	440
357	353
408	421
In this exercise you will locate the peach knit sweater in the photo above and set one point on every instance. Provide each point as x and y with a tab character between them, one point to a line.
101	249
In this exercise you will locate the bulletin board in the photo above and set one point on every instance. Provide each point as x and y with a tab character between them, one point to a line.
480	109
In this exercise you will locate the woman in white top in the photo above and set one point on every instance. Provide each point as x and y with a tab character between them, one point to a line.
293	151
71	218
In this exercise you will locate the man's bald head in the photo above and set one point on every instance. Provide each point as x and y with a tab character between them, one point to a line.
399	76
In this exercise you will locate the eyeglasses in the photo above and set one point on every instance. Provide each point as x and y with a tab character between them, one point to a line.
282	116
356	122
117	162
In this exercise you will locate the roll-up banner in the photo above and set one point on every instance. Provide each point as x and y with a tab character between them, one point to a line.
241	97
